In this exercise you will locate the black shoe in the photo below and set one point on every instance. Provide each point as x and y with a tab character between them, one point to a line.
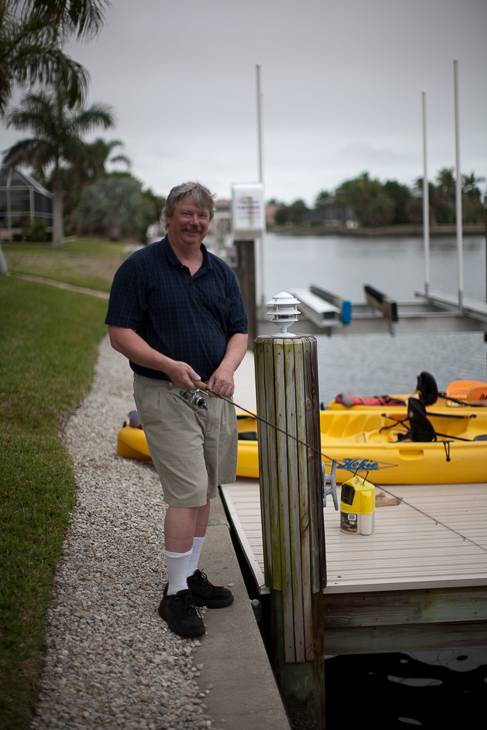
204	593
181	615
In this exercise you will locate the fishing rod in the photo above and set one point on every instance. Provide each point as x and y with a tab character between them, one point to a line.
203	388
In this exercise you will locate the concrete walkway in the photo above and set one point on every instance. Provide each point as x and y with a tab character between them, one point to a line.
244	693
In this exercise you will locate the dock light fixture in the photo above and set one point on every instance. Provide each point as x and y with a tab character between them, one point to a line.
284	312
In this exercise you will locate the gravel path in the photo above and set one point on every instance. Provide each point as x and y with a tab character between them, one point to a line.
111	661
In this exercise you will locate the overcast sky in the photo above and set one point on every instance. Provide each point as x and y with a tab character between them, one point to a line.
341	83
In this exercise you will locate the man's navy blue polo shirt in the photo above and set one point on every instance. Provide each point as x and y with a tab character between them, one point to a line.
188	318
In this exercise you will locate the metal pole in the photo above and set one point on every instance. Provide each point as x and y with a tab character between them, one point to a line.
261	180
259	121
426	215
458	188
485	208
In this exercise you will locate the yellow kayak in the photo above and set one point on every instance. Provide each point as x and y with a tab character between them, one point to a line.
379	443
372	442
132	444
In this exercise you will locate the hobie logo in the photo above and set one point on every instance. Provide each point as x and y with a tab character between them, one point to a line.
363	465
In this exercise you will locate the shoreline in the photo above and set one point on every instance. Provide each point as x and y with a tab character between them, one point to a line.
407	231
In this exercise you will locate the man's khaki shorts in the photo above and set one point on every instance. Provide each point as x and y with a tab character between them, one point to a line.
193	450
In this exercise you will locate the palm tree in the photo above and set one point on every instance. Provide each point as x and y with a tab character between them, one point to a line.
81	17
88	170
30	53
98	154
57	139
446	183
470	186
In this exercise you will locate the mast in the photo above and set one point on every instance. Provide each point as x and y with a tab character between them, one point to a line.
458	187
426	216
261	180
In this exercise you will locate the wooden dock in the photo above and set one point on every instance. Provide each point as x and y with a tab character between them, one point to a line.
412	585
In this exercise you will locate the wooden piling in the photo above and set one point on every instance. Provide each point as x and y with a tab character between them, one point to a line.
245	272
292	518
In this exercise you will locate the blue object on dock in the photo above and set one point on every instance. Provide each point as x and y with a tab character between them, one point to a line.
344	305
346	311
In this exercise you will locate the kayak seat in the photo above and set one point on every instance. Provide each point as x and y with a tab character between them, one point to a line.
419	427
427	388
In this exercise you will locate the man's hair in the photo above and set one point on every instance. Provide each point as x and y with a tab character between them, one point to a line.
203	198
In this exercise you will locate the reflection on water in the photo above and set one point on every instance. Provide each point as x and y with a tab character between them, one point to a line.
445	689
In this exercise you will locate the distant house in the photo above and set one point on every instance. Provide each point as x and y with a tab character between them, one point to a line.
270	212
22	201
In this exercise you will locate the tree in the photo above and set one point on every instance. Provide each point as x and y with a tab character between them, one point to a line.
31	53
470	187
57	139
84	18
291	214
98	154
401	197
115	206
90	168
368	200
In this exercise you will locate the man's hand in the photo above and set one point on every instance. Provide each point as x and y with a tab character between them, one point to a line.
222	382
182	375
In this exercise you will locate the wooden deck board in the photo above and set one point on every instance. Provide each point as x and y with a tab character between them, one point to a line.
407	550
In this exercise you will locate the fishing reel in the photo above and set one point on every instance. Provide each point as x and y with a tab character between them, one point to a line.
194	398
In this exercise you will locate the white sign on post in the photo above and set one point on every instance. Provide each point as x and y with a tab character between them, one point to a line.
248	210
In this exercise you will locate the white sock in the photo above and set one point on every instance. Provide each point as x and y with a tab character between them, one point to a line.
177	569
195	557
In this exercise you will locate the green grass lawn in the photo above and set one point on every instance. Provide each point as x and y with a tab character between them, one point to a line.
84	262
48	347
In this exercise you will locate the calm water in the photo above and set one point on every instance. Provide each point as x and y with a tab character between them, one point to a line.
446	688
377	364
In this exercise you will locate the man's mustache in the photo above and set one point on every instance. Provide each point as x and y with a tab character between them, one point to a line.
192	228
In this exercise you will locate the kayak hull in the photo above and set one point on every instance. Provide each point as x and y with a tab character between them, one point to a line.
369	442
366	442
132	444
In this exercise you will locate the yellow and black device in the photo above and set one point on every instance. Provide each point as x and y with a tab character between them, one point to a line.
357	506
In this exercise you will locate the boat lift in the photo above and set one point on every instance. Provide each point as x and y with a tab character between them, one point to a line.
381	313
326	313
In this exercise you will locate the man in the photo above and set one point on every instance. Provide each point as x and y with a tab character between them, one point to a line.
176	313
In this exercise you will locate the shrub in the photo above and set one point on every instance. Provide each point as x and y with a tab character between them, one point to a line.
36	232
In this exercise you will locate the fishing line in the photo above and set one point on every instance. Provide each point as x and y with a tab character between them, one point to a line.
204	387
435	520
